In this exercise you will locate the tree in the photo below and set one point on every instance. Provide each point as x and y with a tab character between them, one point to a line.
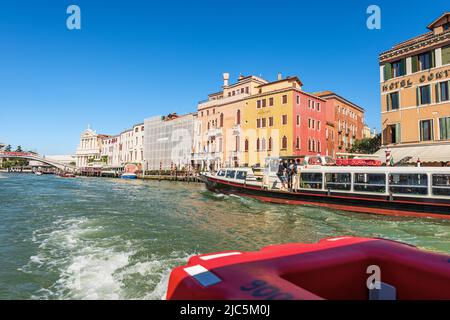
367	145
8	148
19	149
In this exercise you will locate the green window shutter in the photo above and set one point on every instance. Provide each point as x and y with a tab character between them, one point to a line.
437	90
397	133
433	59
415	63
418	96
446	55
388	102
402	67
387	71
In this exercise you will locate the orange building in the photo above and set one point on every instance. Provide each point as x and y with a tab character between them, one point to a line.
345	122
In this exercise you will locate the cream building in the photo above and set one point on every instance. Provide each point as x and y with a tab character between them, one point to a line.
89	148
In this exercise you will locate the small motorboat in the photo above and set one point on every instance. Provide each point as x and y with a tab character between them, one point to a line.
128	175
38	173
67	175
342	268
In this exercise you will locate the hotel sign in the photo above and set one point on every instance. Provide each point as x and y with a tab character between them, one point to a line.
406	83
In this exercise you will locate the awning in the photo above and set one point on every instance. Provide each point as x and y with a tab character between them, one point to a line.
410	154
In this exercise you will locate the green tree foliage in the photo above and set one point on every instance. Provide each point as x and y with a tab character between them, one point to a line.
19	149
8	148
367	145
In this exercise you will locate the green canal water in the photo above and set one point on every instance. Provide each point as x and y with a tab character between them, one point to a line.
92	238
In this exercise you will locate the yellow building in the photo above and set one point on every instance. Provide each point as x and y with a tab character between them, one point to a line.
415	104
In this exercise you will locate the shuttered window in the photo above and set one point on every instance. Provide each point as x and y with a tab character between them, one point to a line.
426	130
446	55
392	101
444	128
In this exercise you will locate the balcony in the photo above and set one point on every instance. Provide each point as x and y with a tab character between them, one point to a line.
214	132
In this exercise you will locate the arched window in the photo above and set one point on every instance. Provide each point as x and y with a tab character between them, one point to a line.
284	143
270	144
221	120
313	145
263	144
309	144
246	145
238	117
237	143
257	144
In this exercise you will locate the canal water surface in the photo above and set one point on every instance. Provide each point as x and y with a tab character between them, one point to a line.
92	238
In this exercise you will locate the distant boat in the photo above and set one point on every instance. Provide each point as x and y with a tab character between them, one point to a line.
67	175
128	175
38	173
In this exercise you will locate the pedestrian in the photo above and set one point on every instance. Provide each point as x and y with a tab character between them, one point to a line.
290	172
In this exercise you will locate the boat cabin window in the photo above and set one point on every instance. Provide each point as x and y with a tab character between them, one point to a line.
311	180
231	173
241	175
338	181
408	183
221	173
441	184
369	182
314	161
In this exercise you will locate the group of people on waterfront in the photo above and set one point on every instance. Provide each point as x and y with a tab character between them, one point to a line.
289	174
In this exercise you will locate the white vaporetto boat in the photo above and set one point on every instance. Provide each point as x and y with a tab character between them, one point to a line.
405	191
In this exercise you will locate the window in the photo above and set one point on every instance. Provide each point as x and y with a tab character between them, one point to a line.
221	120
426	130
446	26
284	143
408	183
445	55
442	92
246	145
423	95
258	104
207	112
270	121
369	182
264	103
398	68
257	144
238	117
221	173
441	184
270	144
311	180
284	119
298	99
214	111
258	123
270	102
318	106
242	90
246	89
297	143
263	144
392	133
298	120
238	142
263	122
424	61
392	101
318	125
444	128
284	99
318	146
338	181
241	175
230	174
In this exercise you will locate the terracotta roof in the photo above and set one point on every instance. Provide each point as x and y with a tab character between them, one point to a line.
445	15
331	94
285	79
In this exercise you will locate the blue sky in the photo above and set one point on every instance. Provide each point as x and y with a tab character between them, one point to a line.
134	59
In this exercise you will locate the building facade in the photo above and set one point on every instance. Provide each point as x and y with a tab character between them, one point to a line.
89	148
415	82
168	141
346	122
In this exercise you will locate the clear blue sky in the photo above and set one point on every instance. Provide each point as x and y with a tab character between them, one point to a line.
134	59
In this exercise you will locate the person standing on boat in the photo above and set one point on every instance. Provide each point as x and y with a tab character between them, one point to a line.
290	173
280	174
296	176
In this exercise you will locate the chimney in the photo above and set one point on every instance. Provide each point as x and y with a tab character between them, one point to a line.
279	77
226	76
240	77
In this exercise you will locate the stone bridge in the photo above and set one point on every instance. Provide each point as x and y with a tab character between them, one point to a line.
32	156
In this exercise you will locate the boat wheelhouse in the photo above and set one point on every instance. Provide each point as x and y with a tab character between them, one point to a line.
411	191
